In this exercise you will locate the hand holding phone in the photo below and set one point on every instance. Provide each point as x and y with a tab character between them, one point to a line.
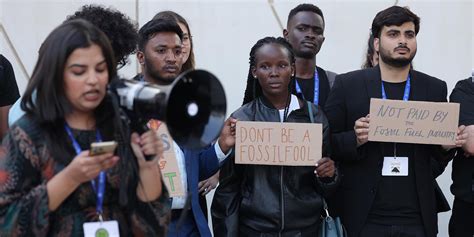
98	148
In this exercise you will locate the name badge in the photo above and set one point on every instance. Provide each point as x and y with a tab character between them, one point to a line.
101	229
395	166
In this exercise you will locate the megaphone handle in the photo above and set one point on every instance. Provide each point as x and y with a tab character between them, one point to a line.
141	127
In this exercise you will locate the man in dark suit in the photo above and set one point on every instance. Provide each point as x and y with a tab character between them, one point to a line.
460	224
371	202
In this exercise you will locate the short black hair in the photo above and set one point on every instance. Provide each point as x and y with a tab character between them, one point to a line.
305	7
119	28
394	15
171	15
157	26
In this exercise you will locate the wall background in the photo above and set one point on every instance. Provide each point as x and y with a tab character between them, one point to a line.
225	30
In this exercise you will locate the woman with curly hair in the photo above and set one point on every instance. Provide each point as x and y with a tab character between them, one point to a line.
119	29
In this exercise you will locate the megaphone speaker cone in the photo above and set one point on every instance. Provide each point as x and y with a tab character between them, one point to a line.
196	109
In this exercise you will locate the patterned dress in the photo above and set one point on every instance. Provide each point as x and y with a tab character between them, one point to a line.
26	165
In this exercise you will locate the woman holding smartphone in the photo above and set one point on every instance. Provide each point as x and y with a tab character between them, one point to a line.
50	185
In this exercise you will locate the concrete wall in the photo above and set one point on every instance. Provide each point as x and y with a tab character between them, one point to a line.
225	30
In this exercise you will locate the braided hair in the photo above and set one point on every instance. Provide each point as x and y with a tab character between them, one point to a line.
253	89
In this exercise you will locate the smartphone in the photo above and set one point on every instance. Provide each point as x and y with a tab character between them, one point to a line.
98	148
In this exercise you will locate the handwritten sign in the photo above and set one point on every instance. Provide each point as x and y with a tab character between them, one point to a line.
168	163
270	143
413	122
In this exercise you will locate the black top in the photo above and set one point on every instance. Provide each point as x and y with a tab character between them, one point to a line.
8	88
396	200
463	167
307	87
348	101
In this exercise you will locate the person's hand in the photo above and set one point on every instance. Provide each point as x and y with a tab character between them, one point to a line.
84	168
468	147
461	138
209	184
147	144
227	137
325	168
361	128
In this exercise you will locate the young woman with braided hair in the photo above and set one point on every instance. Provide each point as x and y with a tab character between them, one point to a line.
275	200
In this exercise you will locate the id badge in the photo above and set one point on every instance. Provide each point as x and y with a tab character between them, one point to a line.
101	229
395	166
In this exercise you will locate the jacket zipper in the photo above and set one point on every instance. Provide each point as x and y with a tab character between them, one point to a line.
282	203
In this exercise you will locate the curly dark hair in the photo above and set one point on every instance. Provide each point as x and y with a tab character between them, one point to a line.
119	28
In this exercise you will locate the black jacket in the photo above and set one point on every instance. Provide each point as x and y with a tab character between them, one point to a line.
255	199
463	167
361	167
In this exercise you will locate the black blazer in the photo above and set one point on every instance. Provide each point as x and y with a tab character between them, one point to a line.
348	101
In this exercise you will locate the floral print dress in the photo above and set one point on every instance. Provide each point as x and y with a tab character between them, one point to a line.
26	165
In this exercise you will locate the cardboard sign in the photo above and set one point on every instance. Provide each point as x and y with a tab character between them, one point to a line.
270	143
168	163
413	122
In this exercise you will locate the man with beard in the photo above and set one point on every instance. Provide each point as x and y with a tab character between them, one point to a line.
159	53
373	204
305	33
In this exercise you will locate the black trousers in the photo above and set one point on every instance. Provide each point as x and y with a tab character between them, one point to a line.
376	230
461	223
307	232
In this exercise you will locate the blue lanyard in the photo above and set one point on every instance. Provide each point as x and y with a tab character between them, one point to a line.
98	190
406	94
316	88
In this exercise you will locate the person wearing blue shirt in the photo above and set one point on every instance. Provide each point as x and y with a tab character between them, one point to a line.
160	56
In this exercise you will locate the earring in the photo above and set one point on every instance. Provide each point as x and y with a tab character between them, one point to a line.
255	77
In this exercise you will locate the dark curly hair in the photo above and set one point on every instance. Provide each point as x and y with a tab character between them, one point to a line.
253	89
119	28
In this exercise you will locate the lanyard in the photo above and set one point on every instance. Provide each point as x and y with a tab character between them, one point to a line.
316	88
406	94
98	190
